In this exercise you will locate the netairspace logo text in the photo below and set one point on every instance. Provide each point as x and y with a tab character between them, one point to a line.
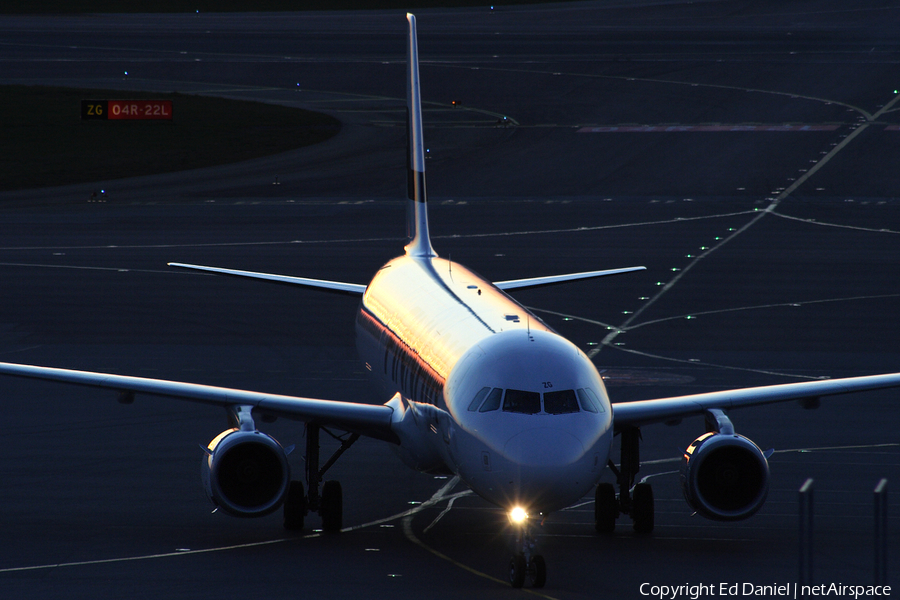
787	590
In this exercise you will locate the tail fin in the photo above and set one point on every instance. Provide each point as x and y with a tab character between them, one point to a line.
419	241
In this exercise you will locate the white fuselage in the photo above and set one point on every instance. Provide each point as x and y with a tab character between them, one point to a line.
483	388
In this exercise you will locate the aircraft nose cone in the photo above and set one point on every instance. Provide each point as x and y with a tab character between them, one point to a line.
545	469
544	447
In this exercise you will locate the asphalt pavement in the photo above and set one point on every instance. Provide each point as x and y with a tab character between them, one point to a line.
744	153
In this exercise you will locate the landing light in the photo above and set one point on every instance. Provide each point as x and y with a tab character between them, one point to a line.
517	515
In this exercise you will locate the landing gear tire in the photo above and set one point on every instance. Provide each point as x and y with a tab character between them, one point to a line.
517	571
332	509
537	572
642	508
606	508
295	507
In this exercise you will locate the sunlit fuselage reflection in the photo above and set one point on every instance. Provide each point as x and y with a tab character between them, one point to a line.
486	390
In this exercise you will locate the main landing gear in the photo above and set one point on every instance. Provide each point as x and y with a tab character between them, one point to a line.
634	500
526	566
329	504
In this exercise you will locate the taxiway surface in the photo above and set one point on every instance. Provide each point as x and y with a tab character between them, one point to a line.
746	154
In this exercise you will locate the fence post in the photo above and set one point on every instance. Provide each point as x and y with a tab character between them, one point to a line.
881	533
806	532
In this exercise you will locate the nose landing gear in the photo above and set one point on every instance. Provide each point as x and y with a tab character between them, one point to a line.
526	565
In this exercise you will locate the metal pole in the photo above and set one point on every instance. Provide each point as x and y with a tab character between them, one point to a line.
881	536
806	532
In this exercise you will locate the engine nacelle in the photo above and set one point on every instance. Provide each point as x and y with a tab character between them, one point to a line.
246	473
724	477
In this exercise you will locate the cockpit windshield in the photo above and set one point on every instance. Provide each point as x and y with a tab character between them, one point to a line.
519	401
558	403
530	403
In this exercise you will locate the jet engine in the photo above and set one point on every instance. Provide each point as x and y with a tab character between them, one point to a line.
246	473
724	476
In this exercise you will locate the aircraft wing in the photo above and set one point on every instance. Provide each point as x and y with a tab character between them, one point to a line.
354	289
365	419
358	289
644	412
533	282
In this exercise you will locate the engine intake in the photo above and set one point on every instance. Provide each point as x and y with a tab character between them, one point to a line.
724	477
246	473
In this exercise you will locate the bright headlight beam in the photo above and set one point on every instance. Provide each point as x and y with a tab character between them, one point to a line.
518	515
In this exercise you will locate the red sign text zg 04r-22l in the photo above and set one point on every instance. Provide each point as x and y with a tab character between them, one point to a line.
152	110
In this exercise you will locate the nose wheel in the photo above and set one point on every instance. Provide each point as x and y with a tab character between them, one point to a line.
526	566
522	571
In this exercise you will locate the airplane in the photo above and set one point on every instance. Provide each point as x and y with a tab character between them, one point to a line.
478	387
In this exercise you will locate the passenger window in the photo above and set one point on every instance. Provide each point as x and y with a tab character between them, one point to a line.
559	403
519	401
493	400
479	398
586	402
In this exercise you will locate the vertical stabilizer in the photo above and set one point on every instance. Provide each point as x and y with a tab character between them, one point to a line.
417	209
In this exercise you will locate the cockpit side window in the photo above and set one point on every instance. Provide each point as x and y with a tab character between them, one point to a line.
589	401
519	401
559	403
493	400
596	400
478	399
586	402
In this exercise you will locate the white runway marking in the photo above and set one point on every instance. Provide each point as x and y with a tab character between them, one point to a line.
439	496
702	128
868	116
661	461
587	228
411	536
838	225
80	267
178	553
608	340
760	307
